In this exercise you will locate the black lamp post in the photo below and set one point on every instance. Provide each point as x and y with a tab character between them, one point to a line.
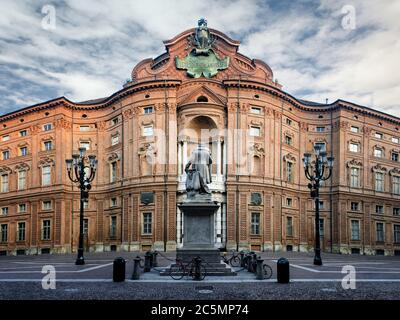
77	173
316	172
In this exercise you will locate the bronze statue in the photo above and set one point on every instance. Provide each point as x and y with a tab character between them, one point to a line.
199	175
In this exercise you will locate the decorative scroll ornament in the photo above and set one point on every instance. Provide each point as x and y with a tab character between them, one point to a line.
354	163
395	172
202	60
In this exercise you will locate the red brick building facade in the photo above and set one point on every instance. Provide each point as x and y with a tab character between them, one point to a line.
143	135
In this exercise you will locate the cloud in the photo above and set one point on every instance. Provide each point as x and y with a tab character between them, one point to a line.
96	44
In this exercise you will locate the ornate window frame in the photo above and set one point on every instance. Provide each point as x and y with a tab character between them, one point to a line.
358	165
379	169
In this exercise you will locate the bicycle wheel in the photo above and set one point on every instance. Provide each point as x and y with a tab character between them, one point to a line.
194	276
235	261
267	270
176	271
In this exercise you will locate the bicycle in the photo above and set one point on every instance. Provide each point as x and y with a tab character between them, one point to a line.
194	269
234	260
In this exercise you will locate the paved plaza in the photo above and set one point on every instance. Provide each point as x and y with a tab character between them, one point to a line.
377	277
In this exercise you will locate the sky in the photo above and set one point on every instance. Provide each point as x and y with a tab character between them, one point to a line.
87	49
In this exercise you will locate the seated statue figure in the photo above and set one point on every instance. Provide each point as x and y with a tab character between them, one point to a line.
198	172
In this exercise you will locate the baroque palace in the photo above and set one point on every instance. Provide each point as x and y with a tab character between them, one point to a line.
143	136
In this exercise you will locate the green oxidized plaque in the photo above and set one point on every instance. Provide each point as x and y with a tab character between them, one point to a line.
202	60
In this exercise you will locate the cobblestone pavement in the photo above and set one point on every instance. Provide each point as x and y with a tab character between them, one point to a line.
21	277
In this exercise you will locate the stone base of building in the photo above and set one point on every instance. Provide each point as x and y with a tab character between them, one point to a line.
231	245
171	246
268	246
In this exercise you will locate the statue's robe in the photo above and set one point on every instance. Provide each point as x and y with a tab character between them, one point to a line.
200	175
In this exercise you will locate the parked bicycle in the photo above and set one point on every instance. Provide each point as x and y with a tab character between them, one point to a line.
250	263
234	260
194	269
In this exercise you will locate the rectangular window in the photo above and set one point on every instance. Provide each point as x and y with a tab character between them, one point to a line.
6	138
379	232
46	205
289	202
22	207
23	133
289	171
396	233
84	128
84	144
47	127
86	204
148	131
21	231
147	223
4	211
148	110
288	121
21	180
355	129
396	185
395	140
4	233
113	174
378	135
255	110
320	129
396	211
113	202
23	151
355	206
114	140
46	175
379	179
379	209
355	230
320	145
395	156
354	147
355	177
289	226
321	205
113	227
288	140
321	228
48	145
114	121
255	223
255	131
6	155
378	153
4	183
46	229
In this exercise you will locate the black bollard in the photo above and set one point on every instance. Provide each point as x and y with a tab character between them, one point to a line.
136	268
249	262
147	261
282	268
119	270
260	271
155	262
242	262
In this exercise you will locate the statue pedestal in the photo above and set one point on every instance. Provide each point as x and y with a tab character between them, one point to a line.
198	236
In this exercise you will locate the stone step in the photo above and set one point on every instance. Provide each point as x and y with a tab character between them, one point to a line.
212	269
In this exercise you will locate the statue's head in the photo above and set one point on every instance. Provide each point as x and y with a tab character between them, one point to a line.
202	22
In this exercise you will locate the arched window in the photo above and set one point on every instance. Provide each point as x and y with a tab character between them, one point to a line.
202	99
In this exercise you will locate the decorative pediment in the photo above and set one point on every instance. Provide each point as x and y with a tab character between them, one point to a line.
395	172
46	161
257	149
21	167
113	157
62	123
378	167
289	133
289	157
205	92
5	169
146	149
354	163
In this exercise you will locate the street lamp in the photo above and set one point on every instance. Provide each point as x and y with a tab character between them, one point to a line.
316	172
78	172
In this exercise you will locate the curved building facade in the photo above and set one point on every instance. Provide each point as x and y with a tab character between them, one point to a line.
200	90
